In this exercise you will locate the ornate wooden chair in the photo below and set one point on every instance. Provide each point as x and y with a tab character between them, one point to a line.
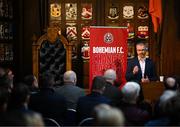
51	53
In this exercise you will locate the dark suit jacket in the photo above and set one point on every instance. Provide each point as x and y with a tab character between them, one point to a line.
87	103
134	115
150	70
71	93
49	104
113	93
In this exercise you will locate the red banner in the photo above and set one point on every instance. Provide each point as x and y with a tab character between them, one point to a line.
108	49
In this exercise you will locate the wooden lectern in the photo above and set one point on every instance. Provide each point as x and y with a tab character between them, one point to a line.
152	91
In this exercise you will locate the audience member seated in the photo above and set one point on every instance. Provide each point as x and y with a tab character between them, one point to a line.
133	114
6	82
5	90
2	71
87	103
173	107
10	74
32	83
170	83
16	118
162	110
18	107
69	89
111	91
47	102
19	98
105	115
4	94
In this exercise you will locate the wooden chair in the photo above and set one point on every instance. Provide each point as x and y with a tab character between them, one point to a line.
51	37
70	117
51	122
86	122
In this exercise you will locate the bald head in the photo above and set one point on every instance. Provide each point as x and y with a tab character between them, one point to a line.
170	83
70	77
110	75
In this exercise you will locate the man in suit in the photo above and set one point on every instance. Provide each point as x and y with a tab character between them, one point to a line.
140	68
69	89
47	101
87	103
111	91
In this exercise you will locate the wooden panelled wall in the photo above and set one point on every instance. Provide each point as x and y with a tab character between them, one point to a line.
34	18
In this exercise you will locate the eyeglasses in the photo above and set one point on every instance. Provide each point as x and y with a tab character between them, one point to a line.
141	49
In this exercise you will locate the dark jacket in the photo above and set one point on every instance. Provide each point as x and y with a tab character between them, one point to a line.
49	104
113	93
134	115
71	93
87	103
150	70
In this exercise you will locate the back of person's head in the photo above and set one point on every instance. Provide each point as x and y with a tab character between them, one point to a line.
98	83
100	106
17	118
34	119
70	77
106	115
47	80
2	71
170	83
31	81
20	95
110	75
131	91
6	82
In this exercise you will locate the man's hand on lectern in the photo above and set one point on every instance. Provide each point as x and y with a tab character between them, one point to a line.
145	80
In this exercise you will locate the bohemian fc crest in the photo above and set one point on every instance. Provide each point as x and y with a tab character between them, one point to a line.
108	38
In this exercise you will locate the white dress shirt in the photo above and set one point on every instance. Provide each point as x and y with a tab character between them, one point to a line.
142	65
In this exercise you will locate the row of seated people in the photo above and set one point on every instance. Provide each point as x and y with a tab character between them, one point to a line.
69	105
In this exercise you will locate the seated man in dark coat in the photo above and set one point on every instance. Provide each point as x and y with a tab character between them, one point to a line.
134	115
69	90
111	91
47	102
87	103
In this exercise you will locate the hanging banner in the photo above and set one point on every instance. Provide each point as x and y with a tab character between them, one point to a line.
108	50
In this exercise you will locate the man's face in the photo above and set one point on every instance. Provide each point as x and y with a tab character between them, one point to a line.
140	50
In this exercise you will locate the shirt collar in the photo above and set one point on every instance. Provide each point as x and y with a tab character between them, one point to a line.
141	59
